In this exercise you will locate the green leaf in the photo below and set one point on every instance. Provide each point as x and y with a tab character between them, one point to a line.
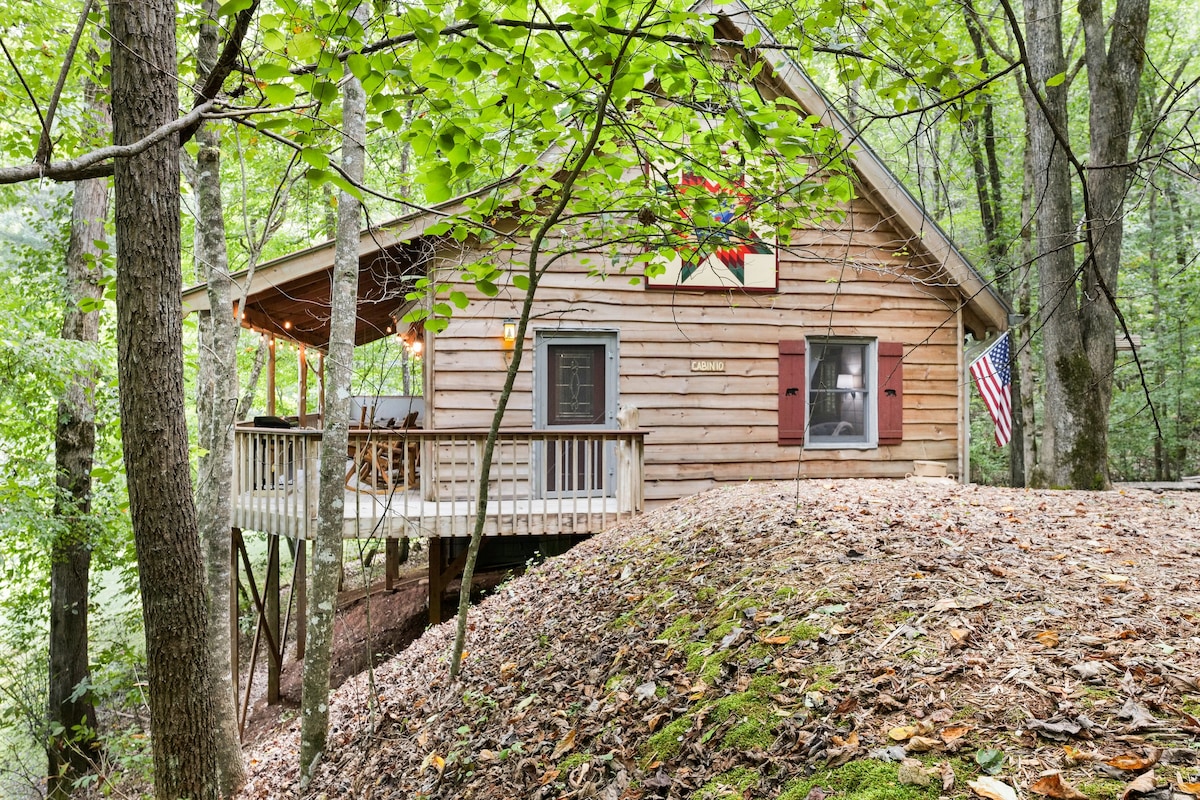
1056	80
280	94
314	157
270	71
304	46
233	7
990	761
459	299
359	65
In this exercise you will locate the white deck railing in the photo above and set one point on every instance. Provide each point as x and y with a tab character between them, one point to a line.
426	482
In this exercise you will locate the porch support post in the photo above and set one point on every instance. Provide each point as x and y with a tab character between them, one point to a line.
271	608
391	563
270	376
303	401
301	594
235	535
435	580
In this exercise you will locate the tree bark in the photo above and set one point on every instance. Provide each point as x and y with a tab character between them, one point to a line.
327	545
1073	434
216	406
1114	57
70	750
154	430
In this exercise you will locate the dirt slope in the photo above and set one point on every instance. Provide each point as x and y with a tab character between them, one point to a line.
832	639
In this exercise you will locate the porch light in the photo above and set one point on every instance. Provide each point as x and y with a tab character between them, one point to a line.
416	347
509	335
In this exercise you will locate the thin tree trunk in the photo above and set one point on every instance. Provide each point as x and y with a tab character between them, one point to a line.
327	545
1024	305
216	402
72	713
154	429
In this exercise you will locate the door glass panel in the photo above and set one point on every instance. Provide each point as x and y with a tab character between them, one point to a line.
576	391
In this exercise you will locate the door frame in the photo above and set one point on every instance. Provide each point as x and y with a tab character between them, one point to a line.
543	339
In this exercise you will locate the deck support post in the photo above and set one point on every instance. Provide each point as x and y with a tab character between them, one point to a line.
440	576
391	563
436	589
234	630
301	595
271	612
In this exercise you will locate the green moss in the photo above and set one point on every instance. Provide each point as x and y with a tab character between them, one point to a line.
1087	456
705	593
614	682
786	592
667	743
748	735
859	780
804	632
572	761
1101	788
733	783
707	665
681	629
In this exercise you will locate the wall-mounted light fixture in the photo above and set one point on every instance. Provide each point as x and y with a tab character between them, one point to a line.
509	334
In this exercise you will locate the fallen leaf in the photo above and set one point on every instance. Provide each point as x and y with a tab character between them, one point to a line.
992	789
959	635
991	760
1133	762
548	776
913	773
1052	785
947	776
1048	638
953	732
564	746
922	744
1115	578
849	741
841	630
902	733
1142	784
1190	788
775	639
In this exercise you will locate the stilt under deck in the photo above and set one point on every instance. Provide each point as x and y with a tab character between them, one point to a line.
403	484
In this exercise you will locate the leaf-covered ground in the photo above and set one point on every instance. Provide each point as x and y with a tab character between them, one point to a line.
858	639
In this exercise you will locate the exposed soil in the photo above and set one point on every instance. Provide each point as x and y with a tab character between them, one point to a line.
370	628
882	640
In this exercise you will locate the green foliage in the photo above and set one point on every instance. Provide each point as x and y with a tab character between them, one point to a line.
859	780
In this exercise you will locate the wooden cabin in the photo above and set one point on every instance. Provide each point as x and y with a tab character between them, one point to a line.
838	354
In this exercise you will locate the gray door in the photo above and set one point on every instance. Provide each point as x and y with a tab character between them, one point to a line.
576	388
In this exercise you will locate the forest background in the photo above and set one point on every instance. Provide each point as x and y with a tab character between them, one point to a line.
948	94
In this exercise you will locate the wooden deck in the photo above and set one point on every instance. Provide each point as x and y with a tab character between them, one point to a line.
425	482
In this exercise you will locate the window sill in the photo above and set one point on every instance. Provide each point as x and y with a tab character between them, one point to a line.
841	446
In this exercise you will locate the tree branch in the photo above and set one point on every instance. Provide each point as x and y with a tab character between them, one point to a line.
45	146
93	164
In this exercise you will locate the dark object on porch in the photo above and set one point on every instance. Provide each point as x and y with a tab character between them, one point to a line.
268	421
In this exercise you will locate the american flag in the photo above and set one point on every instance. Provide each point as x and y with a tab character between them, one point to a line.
993	376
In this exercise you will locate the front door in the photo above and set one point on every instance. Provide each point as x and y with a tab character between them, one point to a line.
577	390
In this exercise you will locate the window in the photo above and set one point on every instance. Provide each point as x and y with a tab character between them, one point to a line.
840	385
840	392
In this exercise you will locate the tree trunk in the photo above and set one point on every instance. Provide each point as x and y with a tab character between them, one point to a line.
216	406
1114	70
72	713
154	430
1073	436
327	545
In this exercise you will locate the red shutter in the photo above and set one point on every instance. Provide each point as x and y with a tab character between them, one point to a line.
891	392
792	397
